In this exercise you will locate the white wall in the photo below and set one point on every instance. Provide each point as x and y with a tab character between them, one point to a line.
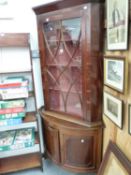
18	16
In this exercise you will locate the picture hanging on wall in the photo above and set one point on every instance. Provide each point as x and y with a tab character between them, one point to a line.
114	73
129	115
114	162
117	24
113	109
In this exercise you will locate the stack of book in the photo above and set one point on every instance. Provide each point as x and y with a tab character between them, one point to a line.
14	87
12	112
13	140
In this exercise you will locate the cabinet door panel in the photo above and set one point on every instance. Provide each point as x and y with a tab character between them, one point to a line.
52	142
80	149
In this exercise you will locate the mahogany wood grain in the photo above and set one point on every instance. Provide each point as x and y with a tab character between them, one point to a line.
14	39
92	80
71	146
73	140
18	163
61	4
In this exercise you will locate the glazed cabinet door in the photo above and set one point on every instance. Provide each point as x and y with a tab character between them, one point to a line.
71	62
80	150
51	137
62	69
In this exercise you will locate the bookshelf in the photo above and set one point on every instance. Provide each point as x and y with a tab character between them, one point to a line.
17	88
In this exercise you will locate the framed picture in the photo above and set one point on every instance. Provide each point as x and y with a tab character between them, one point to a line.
114	73
114	162
117	24
113	109
129	117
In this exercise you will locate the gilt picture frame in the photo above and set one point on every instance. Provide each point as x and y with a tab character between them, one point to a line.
113	109
117	24
114	162
129	119
114	73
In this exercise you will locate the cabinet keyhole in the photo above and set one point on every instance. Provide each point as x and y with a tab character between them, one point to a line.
82	140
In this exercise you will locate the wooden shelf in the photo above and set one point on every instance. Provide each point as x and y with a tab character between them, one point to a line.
65	91
19	163
14	40
76	64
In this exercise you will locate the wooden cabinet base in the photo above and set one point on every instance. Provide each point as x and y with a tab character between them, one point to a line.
18	163
74	147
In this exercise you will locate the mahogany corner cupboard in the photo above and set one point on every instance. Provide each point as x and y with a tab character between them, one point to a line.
70	43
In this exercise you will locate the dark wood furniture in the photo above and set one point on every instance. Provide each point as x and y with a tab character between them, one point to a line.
70	42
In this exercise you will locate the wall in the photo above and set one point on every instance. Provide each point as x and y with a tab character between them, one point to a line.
18	16
111	131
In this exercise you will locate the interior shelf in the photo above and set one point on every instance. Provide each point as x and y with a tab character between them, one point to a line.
65	90
76	63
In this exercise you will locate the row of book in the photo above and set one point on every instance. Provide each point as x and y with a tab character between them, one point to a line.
12	112
18	139
14	87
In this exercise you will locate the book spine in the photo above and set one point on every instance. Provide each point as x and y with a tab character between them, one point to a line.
14	96
22	145
12	110
9	85
13	115
13	85
12	104
14	90
10	122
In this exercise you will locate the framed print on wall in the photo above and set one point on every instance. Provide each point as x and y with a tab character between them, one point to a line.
114	162
113	109
117	24
129	119
114	73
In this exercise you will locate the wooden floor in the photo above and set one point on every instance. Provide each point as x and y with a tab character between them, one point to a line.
49	169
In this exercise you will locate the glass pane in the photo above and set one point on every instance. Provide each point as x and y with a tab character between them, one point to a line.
64	73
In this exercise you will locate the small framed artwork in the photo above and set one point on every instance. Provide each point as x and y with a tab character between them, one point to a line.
117	24
129	117
113	109
114	73
114	162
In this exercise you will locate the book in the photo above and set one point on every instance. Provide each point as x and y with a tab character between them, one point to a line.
18	139
13	85
24	138
10	122
15	79
11	110
24	135
14	93
6	140
14	90
12	115
12	104
8	85
11	82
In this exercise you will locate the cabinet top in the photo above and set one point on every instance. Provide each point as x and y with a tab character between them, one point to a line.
61	4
